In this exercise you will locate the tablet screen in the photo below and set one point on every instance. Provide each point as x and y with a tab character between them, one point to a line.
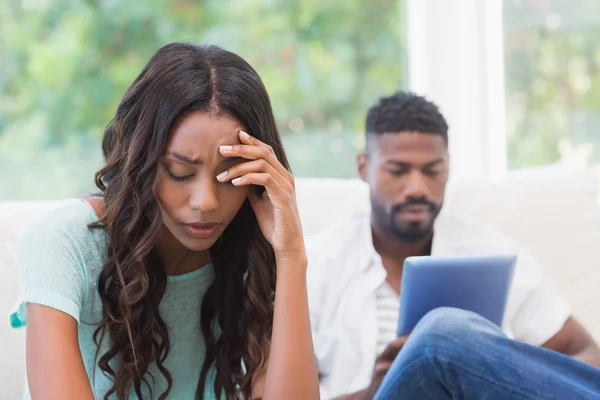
476	283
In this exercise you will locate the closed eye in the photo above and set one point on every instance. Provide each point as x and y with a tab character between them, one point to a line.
432	172
398	172
177	177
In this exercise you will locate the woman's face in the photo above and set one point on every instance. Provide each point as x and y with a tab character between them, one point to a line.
196	208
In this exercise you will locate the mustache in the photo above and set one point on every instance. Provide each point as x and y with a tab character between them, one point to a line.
422	201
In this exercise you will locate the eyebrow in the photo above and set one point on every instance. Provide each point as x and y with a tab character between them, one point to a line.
426	165
195	161
183	158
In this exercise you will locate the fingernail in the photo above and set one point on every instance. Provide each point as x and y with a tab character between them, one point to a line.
244	134
225	148
236	181
222	175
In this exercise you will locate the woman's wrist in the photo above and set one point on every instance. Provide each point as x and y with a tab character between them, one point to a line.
294	262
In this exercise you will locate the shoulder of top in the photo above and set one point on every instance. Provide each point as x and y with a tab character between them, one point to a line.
96	203
72	216
464	230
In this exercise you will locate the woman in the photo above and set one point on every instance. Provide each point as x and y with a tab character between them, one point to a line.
185	277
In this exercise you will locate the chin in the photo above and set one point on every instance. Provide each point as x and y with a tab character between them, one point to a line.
198	244
414	232
413	226
412	236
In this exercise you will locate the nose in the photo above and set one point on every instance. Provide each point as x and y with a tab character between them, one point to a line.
204	196
415	186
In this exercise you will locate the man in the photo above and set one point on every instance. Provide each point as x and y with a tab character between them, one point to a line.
355	272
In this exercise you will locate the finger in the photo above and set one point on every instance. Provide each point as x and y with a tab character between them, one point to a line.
263	179
389	353
253	197
248	152
252	152
382	367
248	139
402	339
259	165
392	350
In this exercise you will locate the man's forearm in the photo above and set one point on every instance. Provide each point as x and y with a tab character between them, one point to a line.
590	355
364	394
352	396
367	393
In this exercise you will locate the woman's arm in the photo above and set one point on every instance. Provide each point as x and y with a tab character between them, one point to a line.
291	369
55	369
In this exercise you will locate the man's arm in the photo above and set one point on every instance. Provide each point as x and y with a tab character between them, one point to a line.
382	365
541	311
354	396
573	340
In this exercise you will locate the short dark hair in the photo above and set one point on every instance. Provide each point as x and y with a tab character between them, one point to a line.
406	112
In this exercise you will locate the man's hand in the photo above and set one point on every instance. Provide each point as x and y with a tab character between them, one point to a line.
382	365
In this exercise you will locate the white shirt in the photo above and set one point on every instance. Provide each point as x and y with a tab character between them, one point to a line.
387	304
344	273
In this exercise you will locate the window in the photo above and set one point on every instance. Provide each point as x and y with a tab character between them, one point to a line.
552	69
65	66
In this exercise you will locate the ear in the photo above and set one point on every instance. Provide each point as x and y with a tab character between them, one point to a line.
362	161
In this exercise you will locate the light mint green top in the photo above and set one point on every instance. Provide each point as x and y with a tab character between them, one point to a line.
59	261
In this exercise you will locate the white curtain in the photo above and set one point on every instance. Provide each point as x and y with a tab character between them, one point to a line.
455	58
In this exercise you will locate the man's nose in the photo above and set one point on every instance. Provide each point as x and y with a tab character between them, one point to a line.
415	186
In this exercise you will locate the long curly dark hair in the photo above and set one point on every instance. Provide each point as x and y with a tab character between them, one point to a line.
180	78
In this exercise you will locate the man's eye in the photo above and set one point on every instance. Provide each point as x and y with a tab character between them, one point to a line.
432	172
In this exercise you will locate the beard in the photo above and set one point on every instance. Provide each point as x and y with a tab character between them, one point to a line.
410	232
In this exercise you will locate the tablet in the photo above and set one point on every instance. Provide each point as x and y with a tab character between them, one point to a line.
475	283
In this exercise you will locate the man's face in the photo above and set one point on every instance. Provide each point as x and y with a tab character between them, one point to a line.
407	174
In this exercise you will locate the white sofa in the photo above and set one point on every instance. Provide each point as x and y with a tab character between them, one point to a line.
552	211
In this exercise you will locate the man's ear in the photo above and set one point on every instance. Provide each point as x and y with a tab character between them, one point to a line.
362	161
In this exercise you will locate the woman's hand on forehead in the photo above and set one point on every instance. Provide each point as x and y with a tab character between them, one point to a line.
276	208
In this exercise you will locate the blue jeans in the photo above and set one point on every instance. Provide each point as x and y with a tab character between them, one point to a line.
455	354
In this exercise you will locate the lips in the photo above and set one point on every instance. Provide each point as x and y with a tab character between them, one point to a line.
415	209
202	230
414	213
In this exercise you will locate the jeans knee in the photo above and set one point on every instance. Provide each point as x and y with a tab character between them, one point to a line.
445	326
448	321
447	333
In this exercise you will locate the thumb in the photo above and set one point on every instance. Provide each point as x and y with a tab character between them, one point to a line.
253	198
255	202
381	367
392	350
